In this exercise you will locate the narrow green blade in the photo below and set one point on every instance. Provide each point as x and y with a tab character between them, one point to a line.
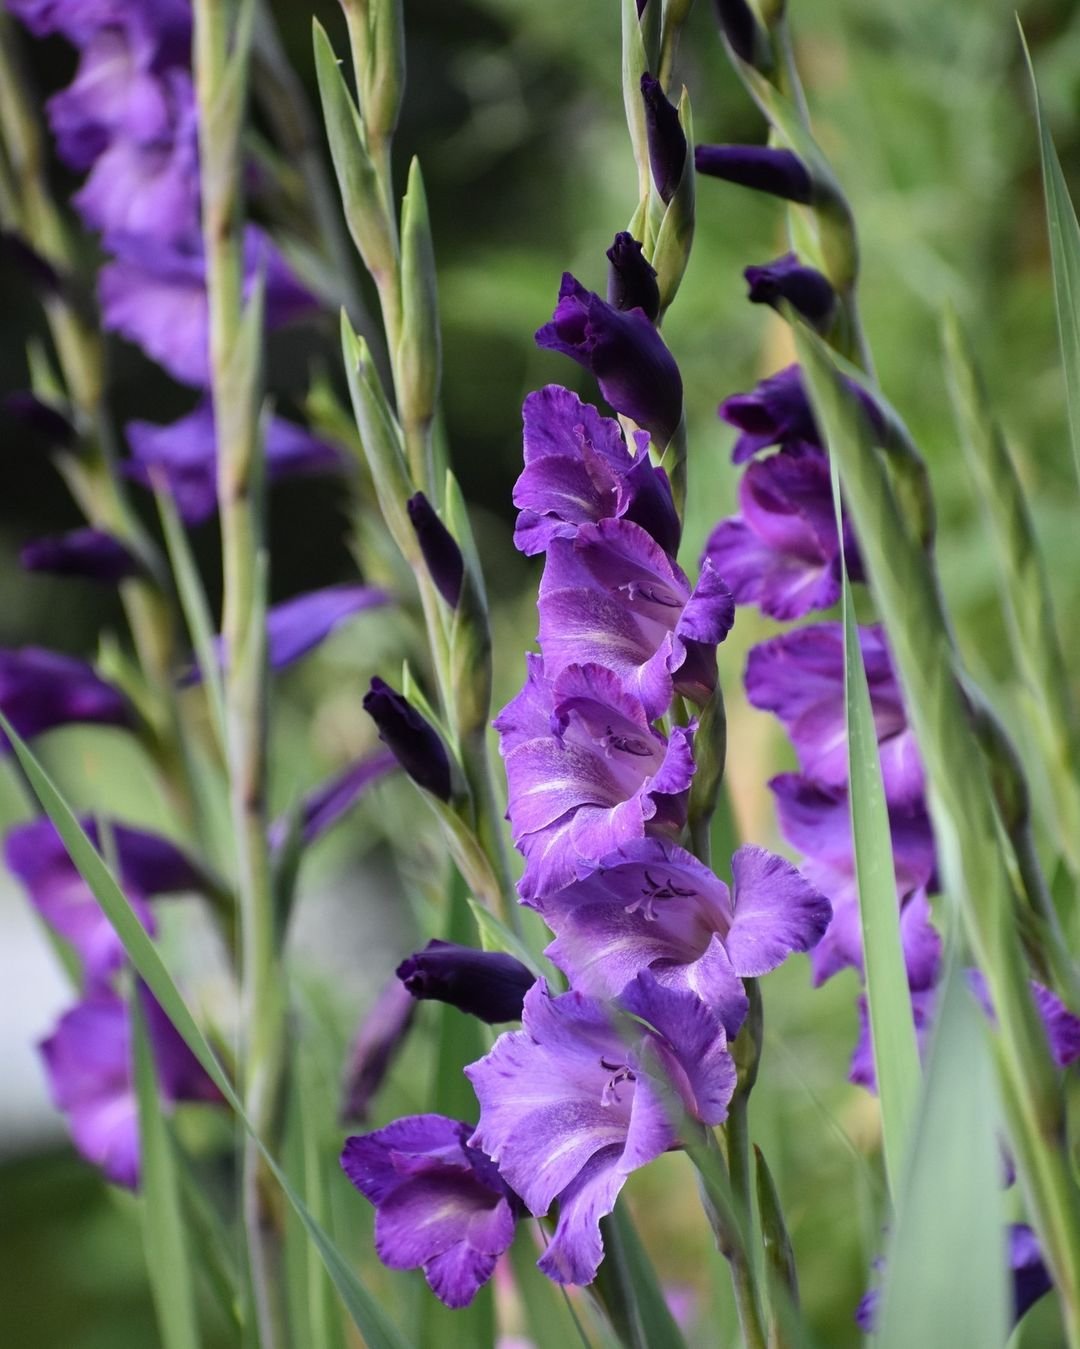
892	1028
365	1312
945	1280
1065	257
631	1285
164	1238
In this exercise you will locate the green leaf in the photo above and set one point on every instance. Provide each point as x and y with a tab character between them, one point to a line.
945	1271
357	180
419	354
1064	234
164	1235
631	1289
365	1312
195	605
496	936
550	1320
634	64
892	1028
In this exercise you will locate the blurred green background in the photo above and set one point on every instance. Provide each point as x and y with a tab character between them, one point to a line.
515	111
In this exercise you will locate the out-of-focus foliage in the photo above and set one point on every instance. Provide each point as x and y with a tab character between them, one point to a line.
515	110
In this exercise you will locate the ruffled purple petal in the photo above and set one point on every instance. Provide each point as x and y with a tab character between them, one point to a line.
777	911
40	689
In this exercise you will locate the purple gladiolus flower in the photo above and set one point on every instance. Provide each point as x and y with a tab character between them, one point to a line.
782	552
487	984
631	280
761	167
150	186
154	294
412	740
578	470
440	1204
582	1096
667	141
40	418
652	906
636	372
440	550
326	804
586	773
611	595
41	689
90	553
1030	1279
148	865
379	1039
861	1070
799	677
17	253
1061	1027
804	288
184	453
776	412
88	1061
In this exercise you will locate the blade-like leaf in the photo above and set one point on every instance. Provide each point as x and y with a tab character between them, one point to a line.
365	1312
892	1027
1064	234
945	1280
496	936
164	1235
631	1286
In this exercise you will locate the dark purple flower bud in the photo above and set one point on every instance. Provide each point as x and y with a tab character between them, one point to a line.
322	807
739	26
804	288
489	985
440	1205
631	279
89	553
380	1037
762	167
777	412
414	742
667	141
41	689
29	263
40	417
442	556
636	372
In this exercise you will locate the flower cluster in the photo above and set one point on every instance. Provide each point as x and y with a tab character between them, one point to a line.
129	122
599	752
782	553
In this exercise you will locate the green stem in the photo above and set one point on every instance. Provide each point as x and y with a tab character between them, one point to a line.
220	57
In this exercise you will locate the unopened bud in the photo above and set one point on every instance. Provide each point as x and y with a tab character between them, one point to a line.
490	985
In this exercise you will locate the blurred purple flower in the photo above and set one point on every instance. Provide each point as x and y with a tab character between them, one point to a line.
739	26
582	1096
184	452
586	773
489	985
777	412
40	417
611	595
653	906
761	167
631	280
413	741
636	372
88	1062
154	294
41	689
440	1204
667	141
379	1039
90	553
147	864
786	279
322	807
579	470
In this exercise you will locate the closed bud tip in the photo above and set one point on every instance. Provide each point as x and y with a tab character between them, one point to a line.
631	279
489	985
414	742
442	556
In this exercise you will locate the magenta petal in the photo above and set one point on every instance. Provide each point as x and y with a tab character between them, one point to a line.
777	912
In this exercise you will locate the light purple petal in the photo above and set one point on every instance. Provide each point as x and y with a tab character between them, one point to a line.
777	911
